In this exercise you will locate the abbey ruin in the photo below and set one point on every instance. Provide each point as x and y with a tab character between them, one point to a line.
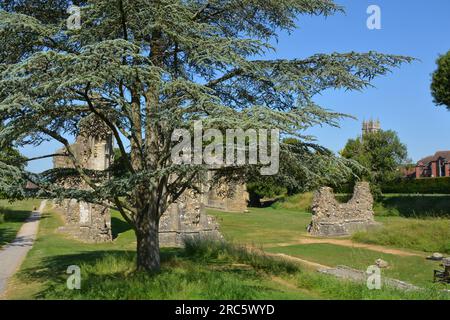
93	149
331	218
185	218
230	196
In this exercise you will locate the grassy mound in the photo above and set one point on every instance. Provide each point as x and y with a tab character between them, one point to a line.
414	206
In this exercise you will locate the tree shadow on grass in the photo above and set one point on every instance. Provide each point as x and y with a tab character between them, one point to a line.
16	215
117	269
52	271
9	233
119	226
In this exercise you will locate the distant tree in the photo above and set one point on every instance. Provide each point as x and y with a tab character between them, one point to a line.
440	86
380	153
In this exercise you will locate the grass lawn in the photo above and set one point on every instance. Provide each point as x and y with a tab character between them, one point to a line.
201	271
108	272
415	222
415	270
15	215
429	235
272	229
263	226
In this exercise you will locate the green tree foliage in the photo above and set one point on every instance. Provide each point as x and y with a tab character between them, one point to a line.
144	68
302	168
11	164
440	86
380	153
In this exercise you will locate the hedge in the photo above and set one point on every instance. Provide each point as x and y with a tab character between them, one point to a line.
424	186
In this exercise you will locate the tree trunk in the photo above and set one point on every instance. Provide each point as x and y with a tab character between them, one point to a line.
147	234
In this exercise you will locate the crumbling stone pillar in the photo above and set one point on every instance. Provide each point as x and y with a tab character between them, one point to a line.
331	218
93	150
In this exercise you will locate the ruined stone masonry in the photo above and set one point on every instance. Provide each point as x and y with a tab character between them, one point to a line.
230	196
331	218
93	149
92	223
186	218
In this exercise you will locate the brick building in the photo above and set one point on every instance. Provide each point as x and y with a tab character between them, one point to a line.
434	166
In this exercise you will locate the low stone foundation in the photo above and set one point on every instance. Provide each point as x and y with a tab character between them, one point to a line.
331	218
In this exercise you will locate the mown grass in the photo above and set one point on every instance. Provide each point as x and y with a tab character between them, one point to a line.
429	235
113	276
399	205
13	215
203	270
279	230
207	250
416	222
412	269
263	226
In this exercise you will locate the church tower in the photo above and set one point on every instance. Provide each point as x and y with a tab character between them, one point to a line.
371	126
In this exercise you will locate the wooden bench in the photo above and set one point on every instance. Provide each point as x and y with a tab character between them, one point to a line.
443	276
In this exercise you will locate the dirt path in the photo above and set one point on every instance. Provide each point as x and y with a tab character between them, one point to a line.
298	260
12	255
351	244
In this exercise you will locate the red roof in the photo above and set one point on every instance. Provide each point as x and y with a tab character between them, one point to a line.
440	154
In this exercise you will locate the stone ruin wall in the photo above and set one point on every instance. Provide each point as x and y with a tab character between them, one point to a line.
187	218
331	218
230	196
92	223
86	221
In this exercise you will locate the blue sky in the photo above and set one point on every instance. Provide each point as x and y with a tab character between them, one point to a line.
401	100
